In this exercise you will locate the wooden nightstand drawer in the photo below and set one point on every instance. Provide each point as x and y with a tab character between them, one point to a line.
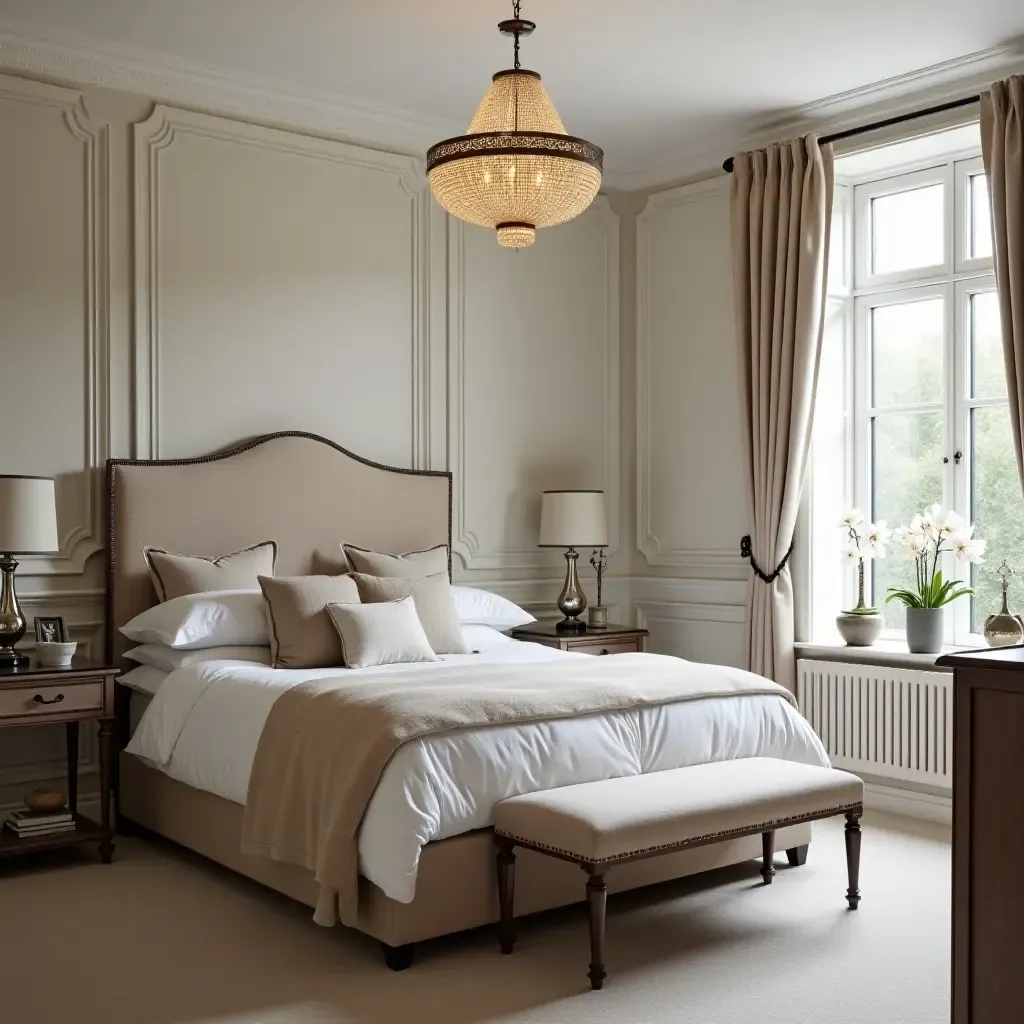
55	698
608	647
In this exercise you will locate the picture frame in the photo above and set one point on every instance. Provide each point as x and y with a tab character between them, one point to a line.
51	629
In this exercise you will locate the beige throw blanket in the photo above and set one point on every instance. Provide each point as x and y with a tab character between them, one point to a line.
326	743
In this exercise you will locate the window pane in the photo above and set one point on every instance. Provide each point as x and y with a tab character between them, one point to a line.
981	218
907	230
997	508
988	373
906	459
906	352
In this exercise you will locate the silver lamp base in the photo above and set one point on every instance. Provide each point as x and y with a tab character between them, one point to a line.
572	602
12	622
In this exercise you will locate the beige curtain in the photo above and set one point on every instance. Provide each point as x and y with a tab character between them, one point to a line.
1002	143
781	216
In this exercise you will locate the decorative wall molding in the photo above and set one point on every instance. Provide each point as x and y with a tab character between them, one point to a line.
876	101
82	540
155	136
654	550
466	543
87	61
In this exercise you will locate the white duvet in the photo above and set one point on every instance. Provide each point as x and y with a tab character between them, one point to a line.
204	723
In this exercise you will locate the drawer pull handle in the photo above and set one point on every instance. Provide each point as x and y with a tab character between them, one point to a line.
40	699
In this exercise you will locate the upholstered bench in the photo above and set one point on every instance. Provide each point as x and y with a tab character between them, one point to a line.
600	824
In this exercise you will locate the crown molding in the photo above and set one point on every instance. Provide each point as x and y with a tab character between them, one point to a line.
85	61
697	157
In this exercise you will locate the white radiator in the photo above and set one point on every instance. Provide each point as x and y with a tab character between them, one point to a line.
891	722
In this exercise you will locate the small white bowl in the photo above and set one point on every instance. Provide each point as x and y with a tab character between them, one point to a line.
55	655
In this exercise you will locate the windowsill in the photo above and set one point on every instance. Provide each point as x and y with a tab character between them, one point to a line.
884	652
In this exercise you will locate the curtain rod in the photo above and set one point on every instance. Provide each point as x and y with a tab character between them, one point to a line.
727	165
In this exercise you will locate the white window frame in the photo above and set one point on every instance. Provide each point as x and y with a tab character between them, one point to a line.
865	193
954	280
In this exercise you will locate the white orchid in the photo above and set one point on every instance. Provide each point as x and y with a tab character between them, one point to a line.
916	543
949	523
929	535
966	549
852	519
927	521
850	555
876	538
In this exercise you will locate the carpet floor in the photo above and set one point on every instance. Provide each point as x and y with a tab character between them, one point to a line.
162	937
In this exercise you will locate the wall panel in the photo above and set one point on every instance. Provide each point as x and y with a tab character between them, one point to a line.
691	510
534	370
280	283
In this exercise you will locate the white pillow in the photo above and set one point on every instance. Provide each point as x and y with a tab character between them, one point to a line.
144	679
167	658
381	633
218	618
482	608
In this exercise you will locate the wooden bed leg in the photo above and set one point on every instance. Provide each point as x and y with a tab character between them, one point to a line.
768	856
853	857
398	958
597	901
797	855
506	893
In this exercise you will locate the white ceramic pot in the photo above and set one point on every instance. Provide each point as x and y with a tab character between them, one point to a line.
55	655
859	629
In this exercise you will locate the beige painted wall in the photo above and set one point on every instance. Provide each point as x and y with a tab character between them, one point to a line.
173	281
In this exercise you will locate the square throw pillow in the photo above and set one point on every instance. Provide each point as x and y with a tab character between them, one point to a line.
301	633
388	633
176	575
435	605
429	562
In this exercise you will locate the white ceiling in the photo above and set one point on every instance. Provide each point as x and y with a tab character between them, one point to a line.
648	80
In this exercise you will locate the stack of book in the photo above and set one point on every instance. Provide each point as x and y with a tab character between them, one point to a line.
25	823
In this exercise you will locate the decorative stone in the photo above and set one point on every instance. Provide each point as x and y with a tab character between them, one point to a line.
45	800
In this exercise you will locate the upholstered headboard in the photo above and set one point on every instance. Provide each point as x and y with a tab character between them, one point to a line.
303	491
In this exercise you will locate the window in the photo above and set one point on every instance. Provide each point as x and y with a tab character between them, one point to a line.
912	407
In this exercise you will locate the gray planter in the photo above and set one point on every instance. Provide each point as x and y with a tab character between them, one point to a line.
859	630
924	630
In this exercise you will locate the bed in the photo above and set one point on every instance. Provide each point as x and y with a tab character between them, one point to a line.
430	872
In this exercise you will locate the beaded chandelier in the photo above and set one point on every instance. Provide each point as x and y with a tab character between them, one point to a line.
516	169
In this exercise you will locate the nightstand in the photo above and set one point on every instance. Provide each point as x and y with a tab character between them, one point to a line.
611	640
83	692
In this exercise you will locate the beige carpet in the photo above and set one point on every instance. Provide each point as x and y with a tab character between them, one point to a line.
163	938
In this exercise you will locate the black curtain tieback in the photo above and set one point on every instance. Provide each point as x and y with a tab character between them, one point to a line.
746	551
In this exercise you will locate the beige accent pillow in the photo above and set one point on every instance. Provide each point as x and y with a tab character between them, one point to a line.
388	633
177	575
435	605
414	563
301	632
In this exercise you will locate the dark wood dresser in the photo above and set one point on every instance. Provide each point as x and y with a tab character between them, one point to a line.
988	835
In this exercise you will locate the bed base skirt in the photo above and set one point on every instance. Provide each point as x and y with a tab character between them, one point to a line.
456	889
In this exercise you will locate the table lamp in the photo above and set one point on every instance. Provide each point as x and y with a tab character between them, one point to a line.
28	525
572	519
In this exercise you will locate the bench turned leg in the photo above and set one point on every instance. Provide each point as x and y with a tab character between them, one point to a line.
768	856
853	857
797	855
506	894
597	900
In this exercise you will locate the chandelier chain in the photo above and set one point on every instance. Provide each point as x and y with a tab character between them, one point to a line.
515	35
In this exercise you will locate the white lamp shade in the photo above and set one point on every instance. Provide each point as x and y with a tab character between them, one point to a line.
28	515
573	519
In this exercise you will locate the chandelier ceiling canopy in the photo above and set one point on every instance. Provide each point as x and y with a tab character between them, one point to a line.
516	169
